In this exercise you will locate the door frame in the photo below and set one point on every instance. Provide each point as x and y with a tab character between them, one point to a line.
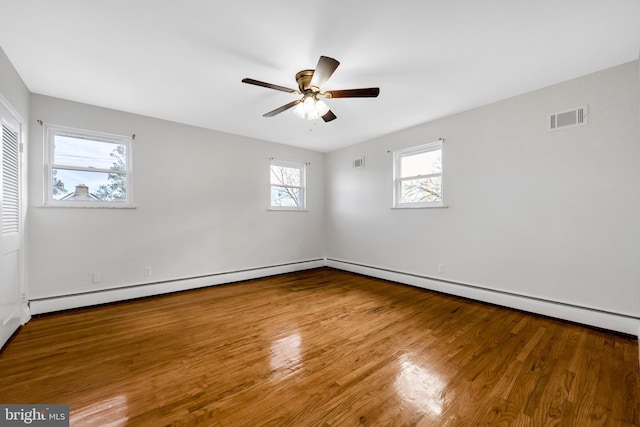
25	314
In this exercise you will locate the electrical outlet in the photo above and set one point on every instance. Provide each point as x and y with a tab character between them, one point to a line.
441	268
148	272
96	277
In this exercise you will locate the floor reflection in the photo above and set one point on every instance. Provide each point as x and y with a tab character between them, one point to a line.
418	386
106	413
285	352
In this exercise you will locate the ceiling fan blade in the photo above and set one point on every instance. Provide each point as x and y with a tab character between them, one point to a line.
269	85
325	68
329	116
283	108
370	92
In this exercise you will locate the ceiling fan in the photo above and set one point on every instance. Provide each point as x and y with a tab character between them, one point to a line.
310	83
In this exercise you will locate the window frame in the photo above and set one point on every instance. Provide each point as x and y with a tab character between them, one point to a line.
50	132
398	155
303	185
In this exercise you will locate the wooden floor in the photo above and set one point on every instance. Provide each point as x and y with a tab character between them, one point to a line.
321	348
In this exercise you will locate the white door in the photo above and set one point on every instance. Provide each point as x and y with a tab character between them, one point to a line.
10	226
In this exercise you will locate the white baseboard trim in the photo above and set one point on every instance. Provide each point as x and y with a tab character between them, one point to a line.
589	316
66	302
26	313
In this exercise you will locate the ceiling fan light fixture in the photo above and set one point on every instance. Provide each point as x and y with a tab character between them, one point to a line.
321	107
311	108
298	110
309	104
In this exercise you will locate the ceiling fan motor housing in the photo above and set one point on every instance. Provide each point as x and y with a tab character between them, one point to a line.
304	81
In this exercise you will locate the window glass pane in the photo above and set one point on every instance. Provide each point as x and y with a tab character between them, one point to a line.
285	196
421	164
87	186
88	153
424	190
282	175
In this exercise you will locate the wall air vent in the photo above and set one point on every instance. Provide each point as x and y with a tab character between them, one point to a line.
358	163
569	118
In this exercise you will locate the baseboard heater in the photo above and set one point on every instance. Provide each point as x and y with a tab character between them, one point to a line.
104	296
619	322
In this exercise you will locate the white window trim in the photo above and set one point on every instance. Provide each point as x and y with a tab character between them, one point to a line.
49	133
397	156
303	185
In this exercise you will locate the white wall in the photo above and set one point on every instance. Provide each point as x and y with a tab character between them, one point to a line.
12	87
549	215
201	198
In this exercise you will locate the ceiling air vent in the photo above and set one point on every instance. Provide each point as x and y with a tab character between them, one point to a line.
358	163
569	118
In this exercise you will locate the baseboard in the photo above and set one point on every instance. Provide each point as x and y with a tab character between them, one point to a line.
66	302
585	315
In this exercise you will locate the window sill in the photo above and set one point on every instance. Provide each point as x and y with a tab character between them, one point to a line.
287	210
84	206
420	207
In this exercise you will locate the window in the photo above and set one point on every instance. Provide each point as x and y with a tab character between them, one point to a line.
287	185
418	176
87	169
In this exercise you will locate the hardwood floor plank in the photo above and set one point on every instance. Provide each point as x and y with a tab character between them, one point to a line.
502	413
320	348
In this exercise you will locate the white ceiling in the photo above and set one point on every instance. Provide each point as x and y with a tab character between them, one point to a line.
184	60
